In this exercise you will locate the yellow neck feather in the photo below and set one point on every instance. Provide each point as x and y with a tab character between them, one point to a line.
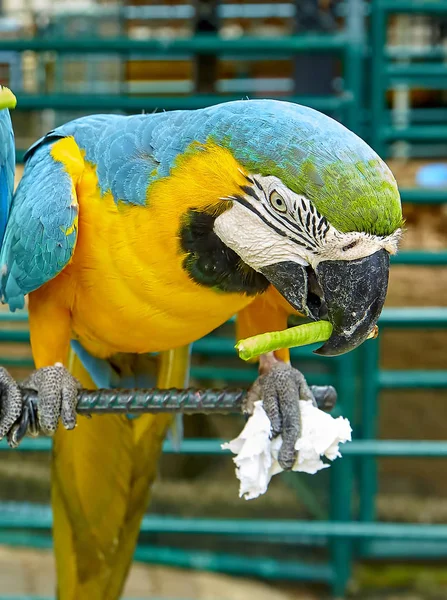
202	178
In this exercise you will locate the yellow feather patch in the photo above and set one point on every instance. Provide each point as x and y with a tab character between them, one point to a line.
132	292
201	177
67	152
72	227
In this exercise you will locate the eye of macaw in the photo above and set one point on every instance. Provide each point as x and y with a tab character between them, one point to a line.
278	202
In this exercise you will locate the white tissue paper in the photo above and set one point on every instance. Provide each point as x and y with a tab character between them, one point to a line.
257	455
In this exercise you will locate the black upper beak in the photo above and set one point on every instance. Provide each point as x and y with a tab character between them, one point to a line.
349	294
354	292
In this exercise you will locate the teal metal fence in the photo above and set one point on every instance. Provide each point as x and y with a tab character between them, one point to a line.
404	68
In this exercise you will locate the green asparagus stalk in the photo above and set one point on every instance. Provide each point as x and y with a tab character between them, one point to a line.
303	335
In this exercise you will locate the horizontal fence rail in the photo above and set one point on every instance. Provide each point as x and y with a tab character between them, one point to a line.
400	317
199	43
139	102
356	448
36	517
423	196
413	6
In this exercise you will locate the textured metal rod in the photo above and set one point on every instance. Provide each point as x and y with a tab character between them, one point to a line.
136	401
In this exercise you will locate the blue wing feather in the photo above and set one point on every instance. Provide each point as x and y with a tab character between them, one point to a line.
7	168
40	237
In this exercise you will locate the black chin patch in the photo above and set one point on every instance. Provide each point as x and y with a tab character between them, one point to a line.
210	263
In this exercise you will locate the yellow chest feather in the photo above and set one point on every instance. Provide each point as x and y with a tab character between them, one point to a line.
127	288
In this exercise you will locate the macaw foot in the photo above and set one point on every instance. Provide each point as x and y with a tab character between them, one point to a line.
281	387
10	404
57	392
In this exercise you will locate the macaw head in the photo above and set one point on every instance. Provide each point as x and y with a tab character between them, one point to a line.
316	214
7	98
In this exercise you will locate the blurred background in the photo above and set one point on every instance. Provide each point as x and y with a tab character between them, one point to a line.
380	67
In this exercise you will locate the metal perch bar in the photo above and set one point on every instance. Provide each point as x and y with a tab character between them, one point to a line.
139	401
154	400
136	401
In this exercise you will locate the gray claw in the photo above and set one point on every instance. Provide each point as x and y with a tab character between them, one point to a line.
10	403
325	396
57	393
254	394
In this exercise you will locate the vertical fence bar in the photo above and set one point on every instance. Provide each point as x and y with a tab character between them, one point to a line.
342	481
378	86
313	73
354	62
368	483
206	65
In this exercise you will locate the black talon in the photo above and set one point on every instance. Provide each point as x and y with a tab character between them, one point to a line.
26	424
57	392
33	425
20	428
280	387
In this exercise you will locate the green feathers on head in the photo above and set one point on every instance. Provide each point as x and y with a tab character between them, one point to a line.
353	196
314	156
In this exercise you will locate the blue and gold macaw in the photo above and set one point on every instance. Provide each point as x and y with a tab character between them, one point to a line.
136	235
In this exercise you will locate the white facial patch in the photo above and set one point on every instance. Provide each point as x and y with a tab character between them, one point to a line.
272	224
253	240
355	244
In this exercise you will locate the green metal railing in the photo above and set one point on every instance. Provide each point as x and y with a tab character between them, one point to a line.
386	75
201	43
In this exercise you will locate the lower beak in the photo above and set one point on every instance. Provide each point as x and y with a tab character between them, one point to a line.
349	294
